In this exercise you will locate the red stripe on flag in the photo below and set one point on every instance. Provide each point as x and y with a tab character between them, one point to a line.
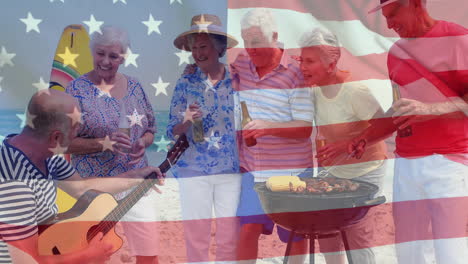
339	10
371	66
409	216
321	9
381	126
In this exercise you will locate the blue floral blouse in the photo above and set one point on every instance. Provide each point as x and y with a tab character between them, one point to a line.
101	114
218	153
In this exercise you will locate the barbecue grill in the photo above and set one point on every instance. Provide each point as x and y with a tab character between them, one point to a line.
318	215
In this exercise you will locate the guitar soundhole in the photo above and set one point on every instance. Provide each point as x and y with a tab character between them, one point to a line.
55	251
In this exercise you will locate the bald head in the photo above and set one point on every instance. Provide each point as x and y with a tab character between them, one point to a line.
48	111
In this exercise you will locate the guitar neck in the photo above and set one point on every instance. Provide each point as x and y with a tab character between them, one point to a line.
131	199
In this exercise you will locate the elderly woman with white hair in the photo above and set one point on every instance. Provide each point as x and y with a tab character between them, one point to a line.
343	108
208	171
267	80
110	100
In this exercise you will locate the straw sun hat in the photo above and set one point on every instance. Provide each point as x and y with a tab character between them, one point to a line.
204	23
382	4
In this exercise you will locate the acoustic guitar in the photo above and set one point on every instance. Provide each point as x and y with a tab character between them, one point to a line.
96	212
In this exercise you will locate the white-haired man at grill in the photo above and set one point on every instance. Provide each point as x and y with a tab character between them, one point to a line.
268	80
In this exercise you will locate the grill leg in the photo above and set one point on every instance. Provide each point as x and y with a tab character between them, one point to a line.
346	245
288	247
312	249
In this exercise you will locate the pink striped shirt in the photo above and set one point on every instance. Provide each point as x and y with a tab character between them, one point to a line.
274	97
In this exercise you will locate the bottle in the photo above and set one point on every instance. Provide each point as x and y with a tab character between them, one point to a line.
407	131
320	142
250	142
124	125
197	130
395	92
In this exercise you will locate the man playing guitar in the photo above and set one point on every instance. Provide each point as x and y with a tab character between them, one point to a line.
30	172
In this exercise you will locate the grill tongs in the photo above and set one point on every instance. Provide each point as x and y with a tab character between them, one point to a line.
326	173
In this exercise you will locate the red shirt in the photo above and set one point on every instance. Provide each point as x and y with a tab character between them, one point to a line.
431	69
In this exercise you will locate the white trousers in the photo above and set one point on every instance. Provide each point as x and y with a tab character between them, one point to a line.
199	197
437	212
361	235
140	225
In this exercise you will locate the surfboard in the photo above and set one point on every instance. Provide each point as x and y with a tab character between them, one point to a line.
75	39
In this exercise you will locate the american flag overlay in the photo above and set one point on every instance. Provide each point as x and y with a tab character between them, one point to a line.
234	131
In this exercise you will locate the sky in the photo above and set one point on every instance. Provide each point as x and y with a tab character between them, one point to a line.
34	50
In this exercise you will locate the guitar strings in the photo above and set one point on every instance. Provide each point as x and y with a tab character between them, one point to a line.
124	206
112	218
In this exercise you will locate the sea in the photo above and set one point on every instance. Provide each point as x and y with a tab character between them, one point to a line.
11	124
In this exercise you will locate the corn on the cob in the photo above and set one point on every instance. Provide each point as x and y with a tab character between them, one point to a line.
284	183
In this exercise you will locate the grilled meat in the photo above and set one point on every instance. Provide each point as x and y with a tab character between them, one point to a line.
327	185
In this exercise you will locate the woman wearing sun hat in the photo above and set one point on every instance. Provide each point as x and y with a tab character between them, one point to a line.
208	171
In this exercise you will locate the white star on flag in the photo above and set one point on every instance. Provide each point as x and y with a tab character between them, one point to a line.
5	57
31	23
209	87
123	1
44	91
41	85
22	117
185	116
130	58
58	149
102	93
184	57
202	21
68	57
94	25
178	1
203	24
160	87
212	141
2	138
135	118
107	144
104	89
29	119
153	25
26	119
1	79
162	144
75	116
